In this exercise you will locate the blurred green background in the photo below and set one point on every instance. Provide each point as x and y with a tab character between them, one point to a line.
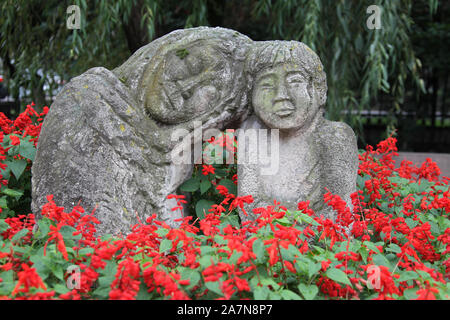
380	81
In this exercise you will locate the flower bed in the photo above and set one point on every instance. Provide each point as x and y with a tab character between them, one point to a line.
397	248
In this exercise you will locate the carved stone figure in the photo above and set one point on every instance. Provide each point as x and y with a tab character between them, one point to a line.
107	139
289	95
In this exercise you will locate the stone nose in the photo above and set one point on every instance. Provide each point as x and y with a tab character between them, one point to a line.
281	94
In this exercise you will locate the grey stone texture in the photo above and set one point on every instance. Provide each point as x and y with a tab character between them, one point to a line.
108	139
288	95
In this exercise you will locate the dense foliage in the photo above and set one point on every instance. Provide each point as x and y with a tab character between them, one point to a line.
397	245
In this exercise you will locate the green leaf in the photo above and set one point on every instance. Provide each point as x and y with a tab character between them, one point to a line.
290	295
12	193
408	275
165	245
220	240
231	219
381	260
6	173
202	207
43	228
220	172
410	294
7	285
394	248
270	282
19	235
204	186
234	257
338	276
206	261
162	232
204	250
371	246
143	294
259	250
18	167
67	233
3	203
232	188
307	219
13	151
214	287
411	223
190	185
27	150
313	268
102	292
287	254
309	292
40	264
58	272
192	275
364	253
60	289
3	226
110	268
261	293
86	251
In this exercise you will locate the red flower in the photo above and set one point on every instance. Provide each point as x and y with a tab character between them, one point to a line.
28	278
15	141
55	235
207	169
427	294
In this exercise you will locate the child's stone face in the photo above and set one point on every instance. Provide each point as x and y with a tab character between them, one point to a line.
281	97
187	86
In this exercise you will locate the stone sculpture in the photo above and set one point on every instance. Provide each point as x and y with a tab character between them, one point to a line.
289	95
108	139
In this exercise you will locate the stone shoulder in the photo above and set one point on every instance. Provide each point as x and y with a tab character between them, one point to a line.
338	141
337	129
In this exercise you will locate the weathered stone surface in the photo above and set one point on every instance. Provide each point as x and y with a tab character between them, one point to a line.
110	137
288	95
106	141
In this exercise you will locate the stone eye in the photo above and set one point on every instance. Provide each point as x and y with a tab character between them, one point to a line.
266	84
295	79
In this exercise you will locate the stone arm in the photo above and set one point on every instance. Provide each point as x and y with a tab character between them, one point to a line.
339	153
98	149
